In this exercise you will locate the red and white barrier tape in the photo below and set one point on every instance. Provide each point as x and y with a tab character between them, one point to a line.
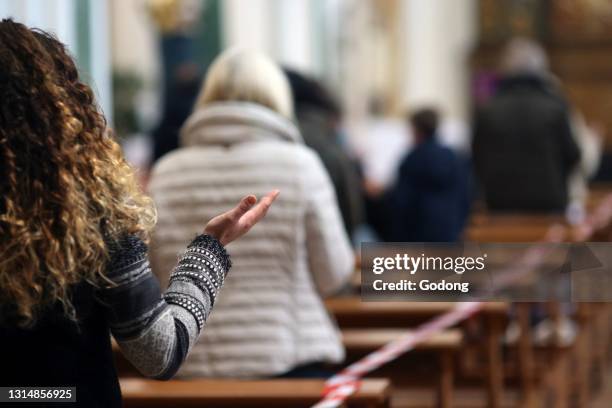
339	387
342	385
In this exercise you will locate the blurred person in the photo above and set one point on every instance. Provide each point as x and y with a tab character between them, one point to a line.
318	116
525	151
179	97
175	21
73	233
429	201
523	147
271	320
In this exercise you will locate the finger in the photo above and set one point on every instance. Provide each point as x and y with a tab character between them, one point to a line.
269	198
256	213
267	201
245	205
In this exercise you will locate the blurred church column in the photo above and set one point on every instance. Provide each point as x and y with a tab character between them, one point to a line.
248	24
438	36
294	34
283	29
81	24
355	49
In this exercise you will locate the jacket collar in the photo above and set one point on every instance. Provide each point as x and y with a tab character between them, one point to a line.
227	123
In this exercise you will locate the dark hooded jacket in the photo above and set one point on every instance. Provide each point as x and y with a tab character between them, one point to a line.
430	199
523	149
319	135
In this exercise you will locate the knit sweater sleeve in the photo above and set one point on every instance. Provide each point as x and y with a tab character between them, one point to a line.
156	331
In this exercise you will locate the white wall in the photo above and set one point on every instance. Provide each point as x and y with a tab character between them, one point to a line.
248	24
50	15
135	50
100	54
134	42
282	29
293	35
435	39
59	17
438	35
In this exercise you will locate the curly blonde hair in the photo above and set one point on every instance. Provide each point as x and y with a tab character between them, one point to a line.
65	188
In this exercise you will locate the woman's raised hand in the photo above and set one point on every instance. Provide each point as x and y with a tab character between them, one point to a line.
233	224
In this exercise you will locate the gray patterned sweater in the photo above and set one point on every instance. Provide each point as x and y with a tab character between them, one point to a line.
154	331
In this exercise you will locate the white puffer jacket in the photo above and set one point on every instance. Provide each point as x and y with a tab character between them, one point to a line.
269	317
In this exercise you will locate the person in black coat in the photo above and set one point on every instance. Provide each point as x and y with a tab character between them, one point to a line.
523	149
179	97
430	199
318	116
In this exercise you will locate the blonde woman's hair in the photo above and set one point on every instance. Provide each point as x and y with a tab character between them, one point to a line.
247	76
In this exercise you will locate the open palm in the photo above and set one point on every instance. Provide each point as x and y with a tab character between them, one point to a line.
236	222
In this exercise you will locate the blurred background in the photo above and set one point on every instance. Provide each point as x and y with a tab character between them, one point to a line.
391	54
379	57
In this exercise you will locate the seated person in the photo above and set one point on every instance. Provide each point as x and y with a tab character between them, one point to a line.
523	148
429	201
240	138
319	116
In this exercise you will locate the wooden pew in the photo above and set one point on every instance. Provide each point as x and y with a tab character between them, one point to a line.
597	193
531	228
367	340
359	342
521	228
489	228
445	345
526	227
595	317
351	312
142	393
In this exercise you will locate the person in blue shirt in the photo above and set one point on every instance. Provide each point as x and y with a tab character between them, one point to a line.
430	199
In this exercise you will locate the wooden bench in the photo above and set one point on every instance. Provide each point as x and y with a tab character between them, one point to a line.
597	193
492	227
445	345
350	313
359	342
521	228
530	228
368	340
142	393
